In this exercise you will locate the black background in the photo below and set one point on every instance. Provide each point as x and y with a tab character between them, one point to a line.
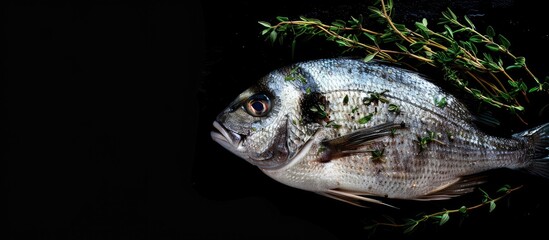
108	107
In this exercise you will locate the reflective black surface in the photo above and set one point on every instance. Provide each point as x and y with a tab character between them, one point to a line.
109	105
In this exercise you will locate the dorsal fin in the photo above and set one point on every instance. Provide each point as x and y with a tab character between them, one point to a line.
487	119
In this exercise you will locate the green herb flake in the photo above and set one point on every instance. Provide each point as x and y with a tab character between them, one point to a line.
319	111
332	124
441	103
393	132
375	97
321	149
431	137
366	118
295	75
450	136
393	108
377	155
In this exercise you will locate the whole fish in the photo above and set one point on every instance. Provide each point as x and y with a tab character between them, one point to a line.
362	131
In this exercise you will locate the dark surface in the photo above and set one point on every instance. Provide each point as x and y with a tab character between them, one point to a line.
109	106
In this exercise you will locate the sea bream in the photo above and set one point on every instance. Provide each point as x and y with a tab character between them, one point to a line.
362	131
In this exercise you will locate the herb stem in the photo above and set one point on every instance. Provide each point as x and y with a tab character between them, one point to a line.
460	51
390	22
413	223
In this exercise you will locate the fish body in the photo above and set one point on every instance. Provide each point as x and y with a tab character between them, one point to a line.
355	130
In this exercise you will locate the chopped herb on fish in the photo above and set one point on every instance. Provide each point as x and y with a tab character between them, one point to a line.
441	103
377	154
450	136
431	137
321	149
345	99
295	75
320	110
394	108
393	132
365	119
332	124
375	97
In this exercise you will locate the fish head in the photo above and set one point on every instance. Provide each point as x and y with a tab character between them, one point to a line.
255	125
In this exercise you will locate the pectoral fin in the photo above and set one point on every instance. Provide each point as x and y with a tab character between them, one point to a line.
348	144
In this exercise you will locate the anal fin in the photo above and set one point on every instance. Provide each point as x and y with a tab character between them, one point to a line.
454	188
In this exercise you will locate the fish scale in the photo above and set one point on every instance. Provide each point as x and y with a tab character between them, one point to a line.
326	126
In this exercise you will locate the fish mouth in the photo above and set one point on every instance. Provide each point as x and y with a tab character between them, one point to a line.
233	142
228	139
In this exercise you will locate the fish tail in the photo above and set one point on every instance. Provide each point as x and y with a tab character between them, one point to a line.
538	140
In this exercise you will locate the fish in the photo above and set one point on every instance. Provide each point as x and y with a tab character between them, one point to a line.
364	132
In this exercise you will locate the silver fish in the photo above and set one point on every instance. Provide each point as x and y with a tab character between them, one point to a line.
360	132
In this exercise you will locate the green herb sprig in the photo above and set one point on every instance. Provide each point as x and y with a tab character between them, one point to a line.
456	47
430	137
442	217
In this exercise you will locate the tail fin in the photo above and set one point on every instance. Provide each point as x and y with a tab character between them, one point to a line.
539	138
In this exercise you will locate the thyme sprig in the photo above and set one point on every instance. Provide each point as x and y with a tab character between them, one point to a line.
442	217
458	49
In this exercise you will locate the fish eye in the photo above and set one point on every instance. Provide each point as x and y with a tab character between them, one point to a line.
258	105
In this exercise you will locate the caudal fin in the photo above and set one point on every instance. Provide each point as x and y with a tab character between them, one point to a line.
539	138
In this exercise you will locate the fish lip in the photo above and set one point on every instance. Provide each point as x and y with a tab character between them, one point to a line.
232	141
228	139
225	135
